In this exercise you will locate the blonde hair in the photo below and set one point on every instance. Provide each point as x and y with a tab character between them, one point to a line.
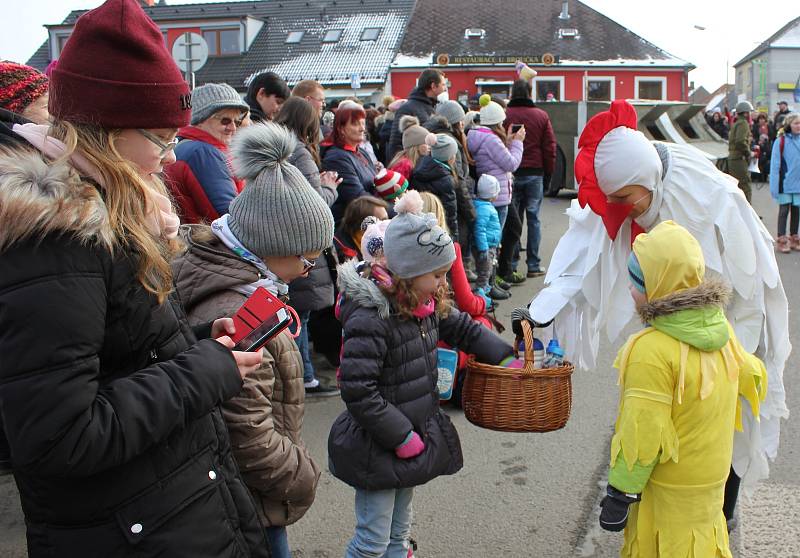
788	119
406	299
125	194
432	204
412	154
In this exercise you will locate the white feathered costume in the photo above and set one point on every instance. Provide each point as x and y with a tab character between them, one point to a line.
587	282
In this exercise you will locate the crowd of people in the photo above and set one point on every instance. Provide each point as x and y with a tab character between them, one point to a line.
139	216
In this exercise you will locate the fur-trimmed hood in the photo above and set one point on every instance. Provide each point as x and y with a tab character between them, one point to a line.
693	316
38	198
361	291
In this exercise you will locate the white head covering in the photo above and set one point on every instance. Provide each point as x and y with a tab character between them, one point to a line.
624	157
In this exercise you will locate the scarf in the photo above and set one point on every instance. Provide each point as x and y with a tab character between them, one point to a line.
268	280
161	219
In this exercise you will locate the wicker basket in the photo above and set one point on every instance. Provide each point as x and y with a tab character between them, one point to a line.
518	400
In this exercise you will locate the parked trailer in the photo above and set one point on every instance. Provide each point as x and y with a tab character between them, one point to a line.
661	121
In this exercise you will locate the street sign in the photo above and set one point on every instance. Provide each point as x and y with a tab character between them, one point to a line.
355	81
190	52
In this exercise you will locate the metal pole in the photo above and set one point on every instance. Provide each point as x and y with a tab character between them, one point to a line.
187	41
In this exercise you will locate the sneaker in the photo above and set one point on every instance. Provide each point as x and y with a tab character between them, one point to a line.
795	241
316	389
498	294
498	281
538	272
514	279
471	275
784	244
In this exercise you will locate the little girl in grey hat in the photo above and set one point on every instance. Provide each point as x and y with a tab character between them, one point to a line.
274	231
393	435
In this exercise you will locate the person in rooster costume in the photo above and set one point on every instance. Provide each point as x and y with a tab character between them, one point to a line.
628	185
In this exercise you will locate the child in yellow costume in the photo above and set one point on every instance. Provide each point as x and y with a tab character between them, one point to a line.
683	380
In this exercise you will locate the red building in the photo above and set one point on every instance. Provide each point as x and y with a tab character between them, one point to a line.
579	53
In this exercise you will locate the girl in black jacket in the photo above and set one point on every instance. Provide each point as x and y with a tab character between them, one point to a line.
435	173
110	403
393	435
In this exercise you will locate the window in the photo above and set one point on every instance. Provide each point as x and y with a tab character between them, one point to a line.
370	34
497	88
651	89
61	41
332	35
295	37
550	84
222	42
599	88
474	33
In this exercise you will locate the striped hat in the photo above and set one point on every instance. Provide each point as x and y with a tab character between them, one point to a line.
390	184
636	274
20	85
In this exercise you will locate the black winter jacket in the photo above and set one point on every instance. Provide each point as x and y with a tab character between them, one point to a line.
432	176
419	105
388	382
110	404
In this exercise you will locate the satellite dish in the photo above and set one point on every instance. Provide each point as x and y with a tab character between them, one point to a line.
190	52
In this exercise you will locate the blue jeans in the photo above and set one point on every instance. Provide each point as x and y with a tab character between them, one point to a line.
527	200
502	214
383	524
278	542
302	346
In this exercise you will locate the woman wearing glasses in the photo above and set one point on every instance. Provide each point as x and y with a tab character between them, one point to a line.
275	231
110	404
201	179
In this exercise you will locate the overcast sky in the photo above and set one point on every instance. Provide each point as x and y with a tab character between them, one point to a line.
729	35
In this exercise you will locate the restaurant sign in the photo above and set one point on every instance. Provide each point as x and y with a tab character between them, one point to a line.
445	59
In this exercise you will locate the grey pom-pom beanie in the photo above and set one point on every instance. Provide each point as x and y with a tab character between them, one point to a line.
278	213
414	244
213	97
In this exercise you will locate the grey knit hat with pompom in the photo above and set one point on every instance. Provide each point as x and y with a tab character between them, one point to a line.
278	213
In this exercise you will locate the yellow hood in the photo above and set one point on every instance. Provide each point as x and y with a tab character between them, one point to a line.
670	258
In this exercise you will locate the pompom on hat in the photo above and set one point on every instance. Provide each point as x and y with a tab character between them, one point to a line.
414	243
390	184
372	240
601	140
491	113
116	72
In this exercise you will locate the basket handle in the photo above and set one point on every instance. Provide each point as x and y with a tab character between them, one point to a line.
527	332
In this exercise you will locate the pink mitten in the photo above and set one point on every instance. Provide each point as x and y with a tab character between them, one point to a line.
412	446
511	362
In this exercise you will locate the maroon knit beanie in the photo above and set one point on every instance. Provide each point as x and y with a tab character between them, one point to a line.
115	72
20	85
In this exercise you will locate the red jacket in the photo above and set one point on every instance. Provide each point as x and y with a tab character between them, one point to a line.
539	147
465	299
201	180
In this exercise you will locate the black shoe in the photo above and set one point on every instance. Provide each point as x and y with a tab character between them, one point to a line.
500	282
321	390
538	272
499	294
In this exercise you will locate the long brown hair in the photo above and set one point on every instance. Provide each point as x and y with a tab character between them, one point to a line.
299	116
125	194
500	133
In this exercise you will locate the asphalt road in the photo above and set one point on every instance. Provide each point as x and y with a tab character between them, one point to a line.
523	495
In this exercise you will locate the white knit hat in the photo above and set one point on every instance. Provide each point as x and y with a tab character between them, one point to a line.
488	187
491	112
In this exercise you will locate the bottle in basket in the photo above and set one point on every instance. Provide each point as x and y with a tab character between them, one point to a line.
555	355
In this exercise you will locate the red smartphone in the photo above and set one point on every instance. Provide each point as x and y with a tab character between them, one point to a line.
259	319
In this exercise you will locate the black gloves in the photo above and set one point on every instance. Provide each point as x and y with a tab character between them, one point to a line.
614	509
519	314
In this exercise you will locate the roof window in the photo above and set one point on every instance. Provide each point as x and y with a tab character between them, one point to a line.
295	37
332	35
370	33
474	33
568	33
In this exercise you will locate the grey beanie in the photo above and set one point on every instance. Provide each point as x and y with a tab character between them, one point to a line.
445	148
278	213
451	110
213	97
414	243
414	134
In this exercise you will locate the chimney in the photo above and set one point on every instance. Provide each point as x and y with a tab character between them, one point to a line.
564	10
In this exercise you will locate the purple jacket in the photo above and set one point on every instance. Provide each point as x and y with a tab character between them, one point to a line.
492	157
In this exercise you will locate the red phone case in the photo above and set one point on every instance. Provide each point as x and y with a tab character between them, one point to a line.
260	318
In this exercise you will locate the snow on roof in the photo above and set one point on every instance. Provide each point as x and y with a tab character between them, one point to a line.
335	62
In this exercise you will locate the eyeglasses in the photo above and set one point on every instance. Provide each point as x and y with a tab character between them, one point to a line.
227	120
165	147
320	101
307	265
